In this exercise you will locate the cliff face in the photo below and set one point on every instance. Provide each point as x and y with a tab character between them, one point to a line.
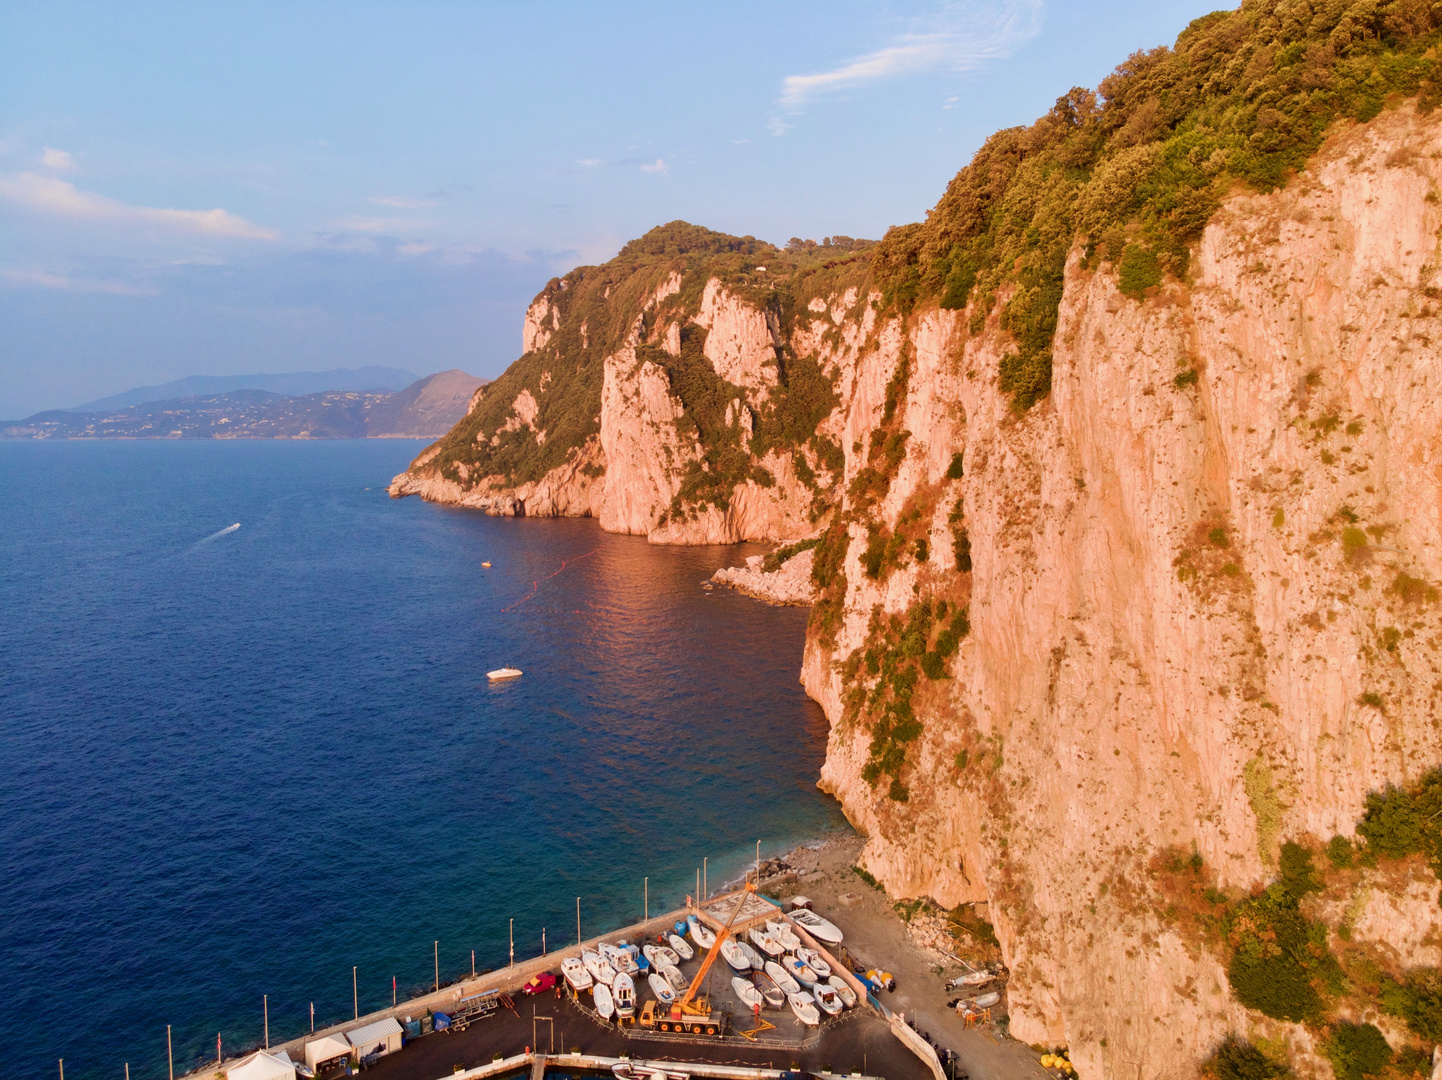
1201	602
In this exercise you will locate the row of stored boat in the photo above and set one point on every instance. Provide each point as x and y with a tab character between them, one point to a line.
773	969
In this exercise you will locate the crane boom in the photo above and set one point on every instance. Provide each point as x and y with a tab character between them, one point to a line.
721	936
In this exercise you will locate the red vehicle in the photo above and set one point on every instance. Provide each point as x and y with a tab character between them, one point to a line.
540	984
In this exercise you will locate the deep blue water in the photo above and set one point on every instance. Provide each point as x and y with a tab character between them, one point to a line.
240	766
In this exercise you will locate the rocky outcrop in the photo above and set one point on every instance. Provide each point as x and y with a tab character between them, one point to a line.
1202	600
788	584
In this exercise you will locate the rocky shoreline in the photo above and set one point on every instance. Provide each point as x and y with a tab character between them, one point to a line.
789	585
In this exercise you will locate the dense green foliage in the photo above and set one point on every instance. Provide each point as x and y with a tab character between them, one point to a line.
1403	821
1237	1059
1417	1000
1278	957
1299	876
1135	170
1357	1050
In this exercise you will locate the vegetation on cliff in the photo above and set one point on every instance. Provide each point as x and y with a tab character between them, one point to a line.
1135	169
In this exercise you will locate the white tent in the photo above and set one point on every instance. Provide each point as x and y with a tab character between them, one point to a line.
383	1035
327	1048
263	1065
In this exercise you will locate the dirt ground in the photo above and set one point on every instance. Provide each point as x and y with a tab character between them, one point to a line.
876	936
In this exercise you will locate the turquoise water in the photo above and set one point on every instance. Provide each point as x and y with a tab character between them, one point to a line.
237	765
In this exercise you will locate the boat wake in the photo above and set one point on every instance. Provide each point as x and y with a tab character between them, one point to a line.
536	585
216	535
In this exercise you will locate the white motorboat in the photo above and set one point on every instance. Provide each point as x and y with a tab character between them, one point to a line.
599	967
620	959
503	673
818	927
663	990
797	969
785	982
971	978
700	933
766	942
665	957
624	992
605	1007
575	974
783	934
684	951
754	958
843	990
804	1006
986	1001
649	952
749	995
813	960
770	992
827	998
678	982
732	954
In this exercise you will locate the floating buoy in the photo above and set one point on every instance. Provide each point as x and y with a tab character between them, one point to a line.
486	565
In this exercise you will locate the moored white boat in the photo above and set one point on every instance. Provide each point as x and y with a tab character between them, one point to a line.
843	990
665	957
827	998
986	1001
817	927
731	952
765	942
754	958
797	969
784	981
804	1006
623	990
575	974
605	1007
504	673
684	951
813	960
700	933
783	934
770	992
600	969
663	990
749	995
678	982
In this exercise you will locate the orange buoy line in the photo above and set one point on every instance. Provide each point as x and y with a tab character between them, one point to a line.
536	585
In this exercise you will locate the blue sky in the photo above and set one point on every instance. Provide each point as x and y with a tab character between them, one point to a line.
219	188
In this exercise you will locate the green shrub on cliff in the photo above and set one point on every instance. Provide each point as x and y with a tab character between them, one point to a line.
1356	1051
1417	1000
1135	170
1278	957
1237	1059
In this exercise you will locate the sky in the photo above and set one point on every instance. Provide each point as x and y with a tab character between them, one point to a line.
224	188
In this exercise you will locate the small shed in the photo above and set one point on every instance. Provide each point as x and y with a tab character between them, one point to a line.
327	1048
263	1065
382	1037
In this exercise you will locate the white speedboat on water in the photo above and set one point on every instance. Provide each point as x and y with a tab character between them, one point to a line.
783	934
797	969
575	974
785	982
504	673
700	933
817	927
812	959
684	951
662	988
770	993
827	998
749	995
843	990
605	1007
804	1006
732	953
623	990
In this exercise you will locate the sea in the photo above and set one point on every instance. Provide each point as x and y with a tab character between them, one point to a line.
250	768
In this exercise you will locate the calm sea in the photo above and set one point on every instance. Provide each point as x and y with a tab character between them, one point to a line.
237	765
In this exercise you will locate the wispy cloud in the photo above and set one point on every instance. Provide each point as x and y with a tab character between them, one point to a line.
60	198
401	202
658	167
591	163
961	38
46	279
386	226
57	159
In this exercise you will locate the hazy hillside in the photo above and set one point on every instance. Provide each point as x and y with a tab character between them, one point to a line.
368	379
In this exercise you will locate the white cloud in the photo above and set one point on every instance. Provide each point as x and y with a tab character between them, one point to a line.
777	126
400	202
46	279
590	162
61	198
963	37
57	159
659	167
415	249
386	226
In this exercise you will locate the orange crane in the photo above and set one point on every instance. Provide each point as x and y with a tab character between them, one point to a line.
691	1014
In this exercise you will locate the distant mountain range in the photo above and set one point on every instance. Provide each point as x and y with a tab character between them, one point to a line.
426	409
367	379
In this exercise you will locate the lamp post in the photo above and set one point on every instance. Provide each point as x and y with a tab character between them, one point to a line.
169	1052
264	1004
646	903
513	943
578	920
312	1017
438	966
354	994
705	885
758	862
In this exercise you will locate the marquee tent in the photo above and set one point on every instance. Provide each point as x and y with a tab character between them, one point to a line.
263	1065
327	1048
